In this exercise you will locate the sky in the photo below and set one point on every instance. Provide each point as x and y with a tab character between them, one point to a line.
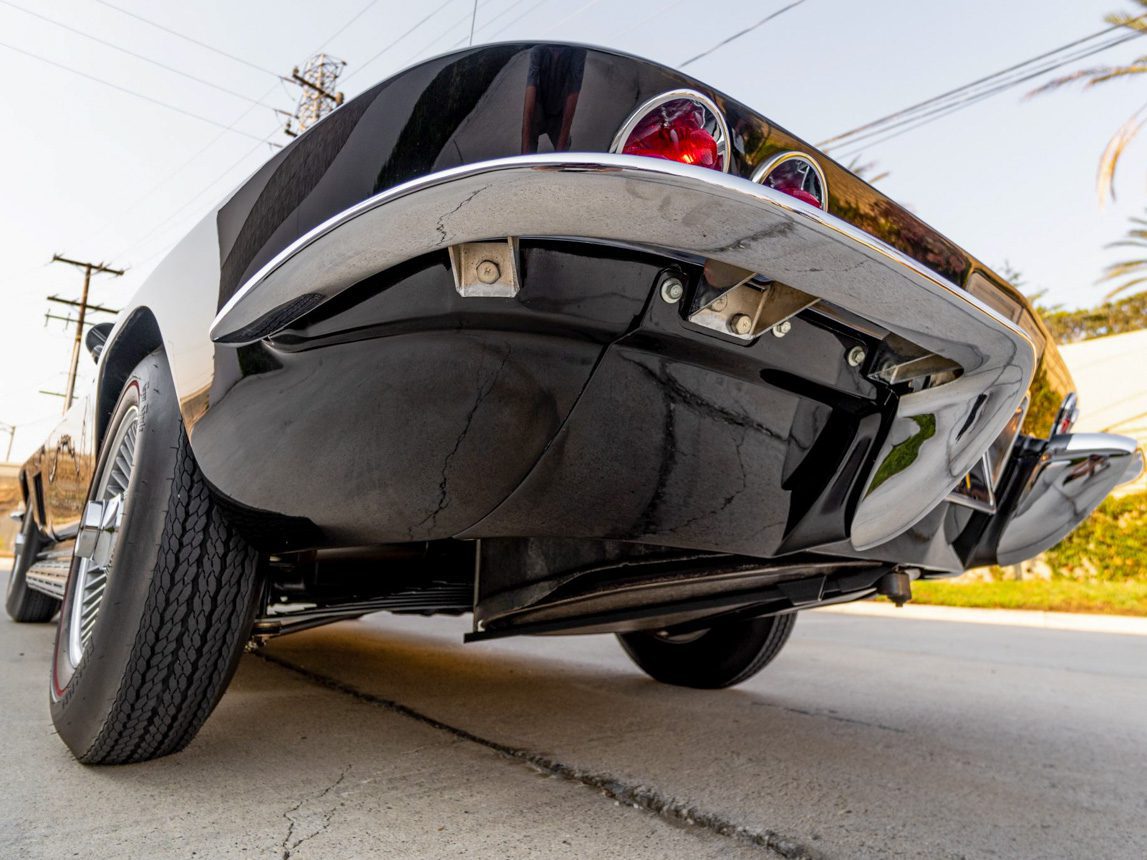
95	173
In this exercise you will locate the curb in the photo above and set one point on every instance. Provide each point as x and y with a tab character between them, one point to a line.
1124	625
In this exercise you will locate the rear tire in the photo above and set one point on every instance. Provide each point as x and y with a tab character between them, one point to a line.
25	604
725	654
136	678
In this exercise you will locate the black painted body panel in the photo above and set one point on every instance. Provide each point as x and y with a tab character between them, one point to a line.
584	408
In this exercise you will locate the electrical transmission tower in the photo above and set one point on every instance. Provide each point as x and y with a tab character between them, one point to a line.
84	306
317	96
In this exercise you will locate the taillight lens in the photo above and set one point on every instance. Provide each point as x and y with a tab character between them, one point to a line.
681	125
796	175
675	131
797	192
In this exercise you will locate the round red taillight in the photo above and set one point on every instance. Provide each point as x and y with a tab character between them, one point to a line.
796	175
681	126
675	132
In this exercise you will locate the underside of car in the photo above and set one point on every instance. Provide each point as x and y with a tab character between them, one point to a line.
676	378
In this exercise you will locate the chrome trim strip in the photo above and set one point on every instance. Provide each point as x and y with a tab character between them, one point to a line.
660	204
643	110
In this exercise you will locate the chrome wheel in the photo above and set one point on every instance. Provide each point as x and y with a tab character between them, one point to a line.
99	529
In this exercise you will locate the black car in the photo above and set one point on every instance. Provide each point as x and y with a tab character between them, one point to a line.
552	335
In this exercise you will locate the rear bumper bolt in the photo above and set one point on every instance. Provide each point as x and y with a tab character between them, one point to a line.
488	272
741	324
856	356
782	328
672	290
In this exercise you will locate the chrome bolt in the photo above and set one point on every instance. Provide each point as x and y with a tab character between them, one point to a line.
741	324
719	303
488	272
672	290
856	356
782	328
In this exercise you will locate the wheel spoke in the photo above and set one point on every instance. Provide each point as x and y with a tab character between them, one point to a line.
92	575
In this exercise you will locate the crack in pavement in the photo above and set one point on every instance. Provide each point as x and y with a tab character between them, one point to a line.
328	817
827	716
636	795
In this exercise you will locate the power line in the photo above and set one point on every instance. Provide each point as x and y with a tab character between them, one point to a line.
1056	55
130	53
186	38
261	141
571	16
170	175
661	10
486	25
741	33
204	190
473	21
876	132
344	27
362	66
425	50
138	95
519	18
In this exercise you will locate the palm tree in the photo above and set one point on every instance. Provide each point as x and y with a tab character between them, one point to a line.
1130	272
1105	181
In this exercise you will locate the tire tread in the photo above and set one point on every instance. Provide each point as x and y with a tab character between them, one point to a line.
197	615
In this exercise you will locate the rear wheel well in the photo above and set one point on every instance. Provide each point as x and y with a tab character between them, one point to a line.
137	338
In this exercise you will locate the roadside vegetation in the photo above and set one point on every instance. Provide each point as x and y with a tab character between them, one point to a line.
1048	595
1100	567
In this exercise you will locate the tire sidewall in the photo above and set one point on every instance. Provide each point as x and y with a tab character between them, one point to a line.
17	578
79	701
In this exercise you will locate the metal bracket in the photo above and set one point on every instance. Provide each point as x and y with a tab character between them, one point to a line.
488	269
729	303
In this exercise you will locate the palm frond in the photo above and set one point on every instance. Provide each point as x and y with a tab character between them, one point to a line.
1064	80
1105	180
1122	288
1137	23
1113	74
1119	270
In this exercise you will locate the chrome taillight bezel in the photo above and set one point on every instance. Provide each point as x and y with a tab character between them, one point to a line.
723	139
767	168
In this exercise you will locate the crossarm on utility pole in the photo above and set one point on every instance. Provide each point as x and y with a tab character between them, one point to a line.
89	269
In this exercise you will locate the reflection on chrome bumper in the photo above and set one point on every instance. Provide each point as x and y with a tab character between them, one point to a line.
938	434
1074	474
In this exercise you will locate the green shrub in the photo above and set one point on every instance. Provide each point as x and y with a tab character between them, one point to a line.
1110	545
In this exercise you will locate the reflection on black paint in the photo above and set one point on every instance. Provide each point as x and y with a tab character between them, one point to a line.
553	85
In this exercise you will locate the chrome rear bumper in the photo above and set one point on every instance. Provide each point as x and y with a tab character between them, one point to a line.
938	434
1074	474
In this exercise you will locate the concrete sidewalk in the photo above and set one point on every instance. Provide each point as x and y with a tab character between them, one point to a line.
1124	625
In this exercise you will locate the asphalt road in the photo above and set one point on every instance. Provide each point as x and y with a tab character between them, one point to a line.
868	737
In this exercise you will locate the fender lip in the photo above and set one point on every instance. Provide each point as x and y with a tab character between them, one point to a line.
664	205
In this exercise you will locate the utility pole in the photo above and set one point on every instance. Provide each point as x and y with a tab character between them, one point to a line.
317	96
84	306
